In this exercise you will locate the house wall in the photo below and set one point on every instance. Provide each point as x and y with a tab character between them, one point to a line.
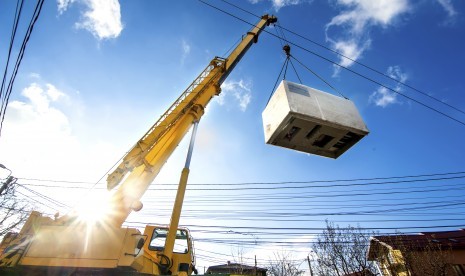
458	256
393	263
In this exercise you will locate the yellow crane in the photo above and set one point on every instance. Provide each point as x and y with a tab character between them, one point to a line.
67	246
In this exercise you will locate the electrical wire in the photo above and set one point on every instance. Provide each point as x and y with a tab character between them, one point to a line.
264	211
22	50
36	201
282	182
51	200
266	202
319	77
299	187
272	230
345	68
19	8
292	196
287	53
275	228
427	94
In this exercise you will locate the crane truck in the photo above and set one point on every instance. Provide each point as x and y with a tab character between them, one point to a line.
68	246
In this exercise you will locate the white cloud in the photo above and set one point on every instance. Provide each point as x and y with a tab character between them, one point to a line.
384	97
361	13
278	4
53	93
63	5
38	142
349	48
34	76
186	49
35	132
102	18
355	21
240	90
448	7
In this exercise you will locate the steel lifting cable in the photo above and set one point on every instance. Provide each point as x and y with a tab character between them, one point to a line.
348	69
283	68
321	78
232	47
288	60
287	50
424	93
277	80
295	71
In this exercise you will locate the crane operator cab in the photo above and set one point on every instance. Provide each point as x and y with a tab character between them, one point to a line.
153	251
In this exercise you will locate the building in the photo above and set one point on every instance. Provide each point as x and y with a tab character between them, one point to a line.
429	253
236	269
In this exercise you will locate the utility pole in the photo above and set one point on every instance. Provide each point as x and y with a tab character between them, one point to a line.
255	265
310	265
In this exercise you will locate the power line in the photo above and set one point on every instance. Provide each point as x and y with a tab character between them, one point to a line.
318	76
22	50
273	235
345	194
294	196
451	175
355	61
329	194
265	202
344	67
36	201
51	200
229	227
19	8
265	211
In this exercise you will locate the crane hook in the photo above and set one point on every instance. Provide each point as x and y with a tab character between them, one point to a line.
287	49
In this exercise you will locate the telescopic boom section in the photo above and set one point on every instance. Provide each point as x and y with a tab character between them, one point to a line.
143	162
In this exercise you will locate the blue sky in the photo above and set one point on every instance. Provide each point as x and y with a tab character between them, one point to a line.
97	74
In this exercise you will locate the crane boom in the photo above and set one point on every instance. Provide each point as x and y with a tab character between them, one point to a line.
69	246
143	162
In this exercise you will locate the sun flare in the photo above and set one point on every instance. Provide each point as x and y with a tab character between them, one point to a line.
94	209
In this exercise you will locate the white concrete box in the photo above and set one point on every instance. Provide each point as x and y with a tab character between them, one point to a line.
305	119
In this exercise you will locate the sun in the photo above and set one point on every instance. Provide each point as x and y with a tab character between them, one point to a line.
95	208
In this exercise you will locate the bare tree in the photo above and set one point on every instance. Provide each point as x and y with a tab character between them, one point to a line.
283	265
13	211
342	251
238	258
